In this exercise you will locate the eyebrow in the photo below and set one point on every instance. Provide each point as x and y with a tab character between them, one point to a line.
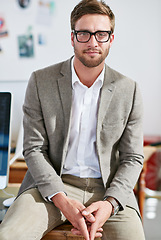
86	30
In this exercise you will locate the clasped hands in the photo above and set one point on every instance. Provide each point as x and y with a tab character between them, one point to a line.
86	221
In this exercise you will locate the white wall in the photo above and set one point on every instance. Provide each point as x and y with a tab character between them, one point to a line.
136	51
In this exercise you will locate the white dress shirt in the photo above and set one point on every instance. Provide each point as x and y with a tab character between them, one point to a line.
82	160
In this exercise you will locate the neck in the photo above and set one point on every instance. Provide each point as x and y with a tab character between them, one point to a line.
87	75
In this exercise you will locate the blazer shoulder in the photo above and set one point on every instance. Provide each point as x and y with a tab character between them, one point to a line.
119	80
117	76
47	78
56	70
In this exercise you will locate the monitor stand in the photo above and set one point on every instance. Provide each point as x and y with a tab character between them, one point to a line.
19	146
3	181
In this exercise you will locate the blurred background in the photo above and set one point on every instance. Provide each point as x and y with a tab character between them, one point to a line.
39	35
36	33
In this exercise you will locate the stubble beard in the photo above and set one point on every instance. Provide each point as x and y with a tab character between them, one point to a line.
92	62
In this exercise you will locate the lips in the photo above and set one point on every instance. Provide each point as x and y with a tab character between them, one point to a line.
92	51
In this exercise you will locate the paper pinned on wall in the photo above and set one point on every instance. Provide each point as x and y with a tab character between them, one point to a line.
3	28
23	3
42	39
45	12
26	46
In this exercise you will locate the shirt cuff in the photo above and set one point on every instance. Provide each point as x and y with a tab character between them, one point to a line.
50	197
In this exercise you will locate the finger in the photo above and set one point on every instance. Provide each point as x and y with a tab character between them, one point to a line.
99	229
87	213
89	228
95	226
93	231
89	210
83	228
77	232
89	217
98	235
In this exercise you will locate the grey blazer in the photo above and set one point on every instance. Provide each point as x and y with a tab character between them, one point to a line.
119	143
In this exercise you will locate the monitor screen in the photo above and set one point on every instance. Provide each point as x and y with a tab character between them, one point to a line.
5	120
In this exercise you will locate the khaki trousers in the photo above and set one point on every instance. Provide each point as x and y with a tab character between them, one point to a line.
30	217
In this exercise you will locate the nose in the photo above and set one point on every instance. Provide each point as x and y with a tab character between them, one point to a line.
93	42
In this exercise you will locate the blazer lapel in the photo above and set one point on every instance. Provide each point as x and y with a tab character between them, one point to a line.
65	89
106	96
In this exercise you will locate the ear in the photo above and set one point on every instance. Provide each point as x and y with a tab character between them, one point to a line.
72	39
111	39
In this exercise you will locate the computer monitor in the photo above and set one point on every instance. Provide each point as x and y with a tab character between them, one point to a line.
19	146
5	129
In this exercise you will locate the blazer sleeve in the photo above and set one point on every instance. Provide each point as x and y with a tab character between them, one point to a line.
130	153
36	144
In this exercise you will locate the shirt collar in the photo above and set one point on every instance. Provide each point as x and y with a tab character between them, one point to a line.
75	78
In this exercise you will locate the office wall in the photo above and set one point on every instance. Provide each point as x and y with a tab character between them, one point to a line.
136	51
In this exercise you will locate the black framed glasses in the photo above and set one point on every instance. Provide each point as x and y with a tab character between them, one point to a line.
100	36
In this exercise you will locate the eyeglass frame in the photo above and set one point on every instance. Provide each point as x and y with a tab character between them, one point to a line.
91	33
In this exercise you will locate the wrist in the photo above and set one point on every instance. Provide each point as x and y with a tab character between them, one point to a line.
114	203
59	198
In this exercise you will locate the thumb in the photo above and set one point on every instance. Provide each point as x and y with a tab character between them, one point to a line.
90	209
87	213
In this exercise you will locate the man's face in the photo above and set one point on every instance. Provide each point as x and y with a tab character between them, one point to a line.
92	53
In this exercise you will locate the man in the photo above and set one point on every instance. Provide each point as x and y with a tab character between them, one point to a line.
82	141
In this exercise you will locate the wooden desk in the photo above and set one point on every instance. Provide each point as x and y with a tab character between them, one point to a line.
63	232
17	171
140	187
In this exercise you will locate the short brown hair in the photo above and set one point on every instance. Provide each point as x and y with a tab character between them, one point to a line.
91	7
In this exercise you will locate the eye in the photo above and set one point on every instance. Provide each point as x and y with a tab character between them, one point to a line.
101	34
83	34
